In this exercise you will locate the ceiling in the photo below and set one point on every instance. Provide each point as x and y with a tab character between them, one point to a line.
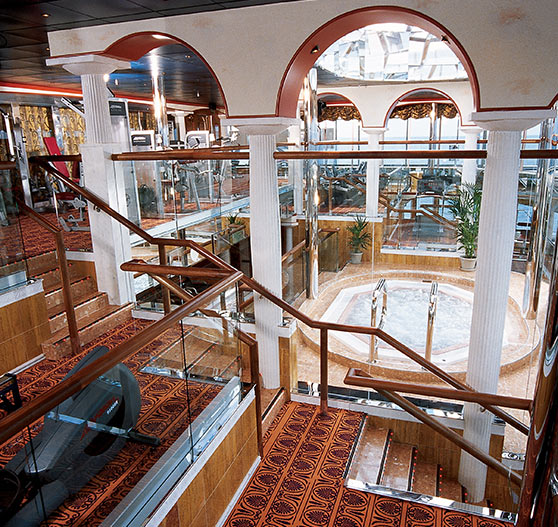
24	45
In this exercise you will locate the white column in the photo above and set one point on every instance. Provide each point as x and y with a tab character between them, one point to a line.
265	235
469	172
375	135
495	251
295	171
111	241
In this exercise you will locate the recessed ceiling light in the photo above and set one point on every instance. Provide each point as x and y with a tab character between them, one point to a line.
46	15
315	49
48	49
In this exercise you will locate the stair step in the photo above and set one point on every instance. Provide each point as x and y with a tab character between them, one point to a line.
51	279
42	263
451	490
86	306
398	467
426	478
368	460
80	288
90	327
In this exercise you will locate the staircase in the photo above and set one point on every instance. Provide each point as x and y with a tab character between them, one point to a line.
380	461
94	315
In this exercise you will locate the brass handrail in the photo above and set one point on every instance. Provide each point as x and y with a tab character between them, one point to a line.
62	269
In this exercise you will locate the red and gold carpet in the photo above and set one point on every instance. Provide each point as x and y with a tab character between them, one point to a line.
165	412
300	481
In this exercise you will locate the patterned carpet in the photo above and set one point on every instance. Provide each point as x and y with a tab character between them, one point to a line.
164	412
300	481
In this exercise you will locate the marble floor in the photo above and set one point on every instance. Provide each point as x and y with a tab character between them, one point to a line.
517	378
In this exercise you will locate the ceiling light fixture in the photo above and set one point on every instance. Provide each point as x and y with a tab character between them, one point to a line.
197	93
116	82
106	77
315	49
46	15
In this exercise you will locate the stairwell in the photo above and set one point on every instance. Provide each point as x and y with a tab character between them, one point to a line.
94	314
380	461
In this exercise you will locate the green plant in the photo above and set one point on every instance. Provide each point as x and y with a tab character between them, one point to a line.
359	238
465	208
233	219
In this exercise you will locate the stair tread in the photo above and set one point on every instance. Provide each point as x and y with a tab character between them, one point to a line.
59	309
367	460
398	466
88	321
451	490
73	282
75	274
425	480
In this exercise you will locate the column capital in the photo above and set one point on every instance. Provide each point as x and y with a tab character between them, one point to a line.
88	64
511	120
470	130
374	130
260	125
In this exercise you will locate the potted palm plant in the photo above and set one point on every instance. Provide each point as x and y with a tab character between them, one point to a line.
359	238
465	208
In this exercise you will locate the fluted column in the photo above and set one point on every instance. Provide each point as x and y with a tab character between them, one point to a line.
265	236
495	251
375	135
469	172
102	176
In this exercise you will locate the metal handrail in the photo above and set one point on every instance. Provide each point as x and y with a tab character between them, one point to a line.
381	288
62	269
432	306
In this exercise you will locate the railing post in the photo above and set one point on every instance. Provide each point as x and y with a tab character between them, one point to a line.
255	379
432	305
67	293
165	291
323	371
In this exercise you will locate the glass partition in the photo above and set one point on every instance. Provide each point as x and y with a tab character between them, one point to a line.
139	425
13	269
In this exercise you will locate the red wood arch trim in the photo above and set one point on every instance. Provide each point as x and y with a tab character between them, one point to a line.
331	31
136	45
426	87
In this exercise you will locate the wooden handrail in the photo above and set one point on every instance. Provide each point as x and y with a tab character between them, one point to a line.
452	436
36	408
62	269
168	155
281	303
137	265
295	249
431	214
242	336
357	377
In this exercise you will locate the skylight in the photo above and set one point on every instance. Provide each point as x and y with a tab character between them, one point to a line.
391	52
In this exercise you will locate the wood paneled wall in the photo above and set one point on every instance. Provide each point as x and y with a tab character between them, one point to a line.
23	326
209	493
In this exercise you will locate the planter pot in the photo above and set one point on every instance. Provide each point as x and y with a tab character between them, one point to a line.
356	258
468	264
